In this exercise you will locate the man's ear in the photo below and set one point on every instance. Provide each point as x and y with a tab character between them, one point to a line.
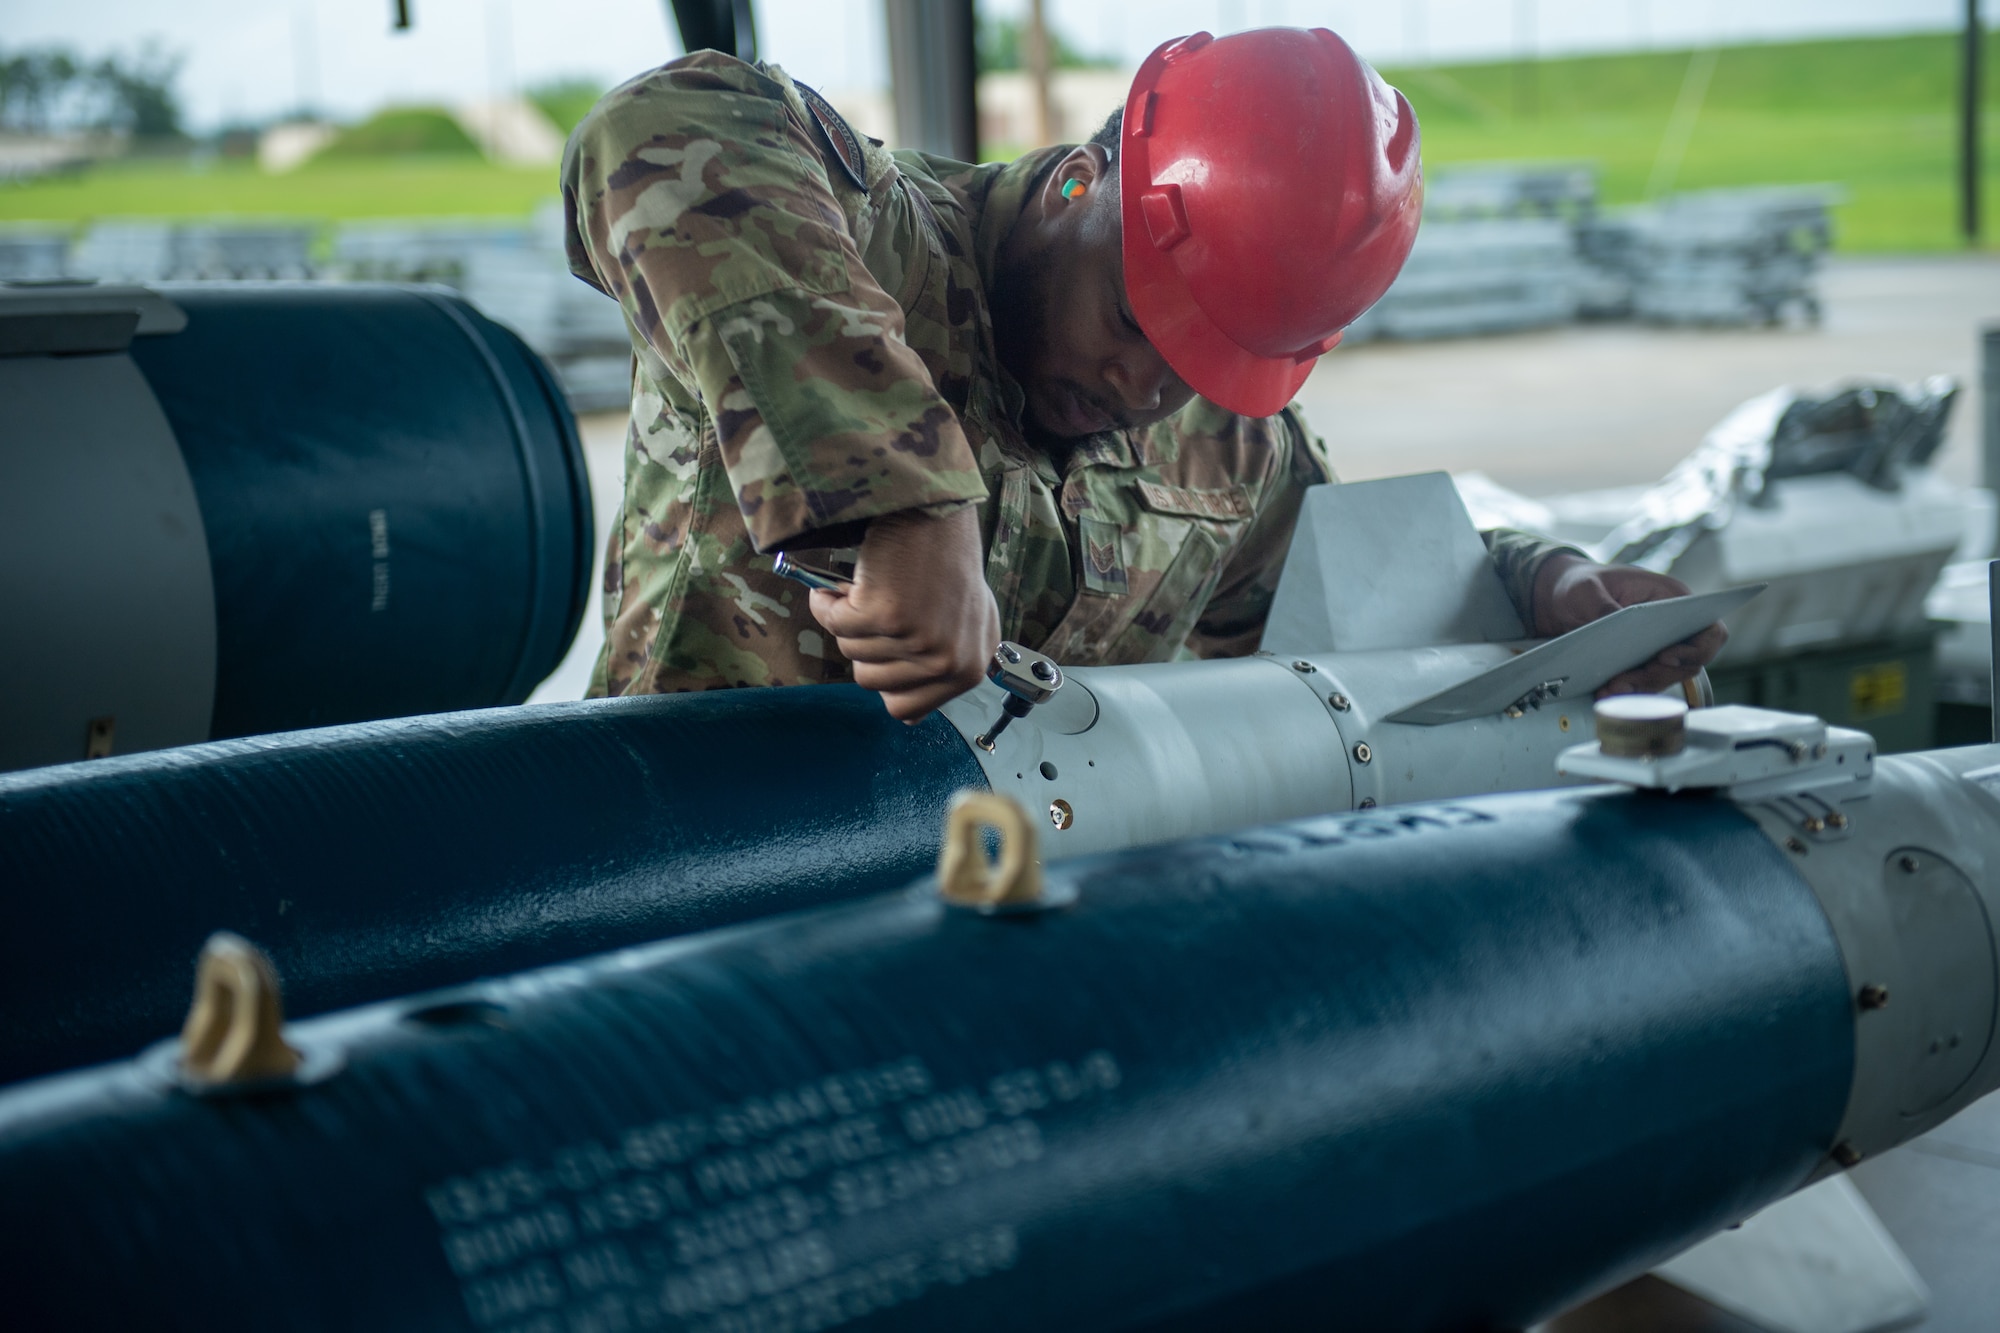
1086	165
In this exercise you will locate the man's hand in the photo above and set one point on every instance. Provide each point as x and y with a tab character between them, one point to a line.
918	623
1572	591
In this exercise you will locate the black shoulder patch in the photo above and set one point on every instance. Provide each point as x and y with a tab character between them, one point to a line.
839	134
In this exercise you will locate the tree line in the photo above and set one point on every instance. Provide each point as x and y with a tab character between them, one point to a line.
47	90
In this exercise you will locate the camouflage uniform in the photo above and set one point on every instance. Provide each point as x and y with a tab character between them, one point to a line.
811	353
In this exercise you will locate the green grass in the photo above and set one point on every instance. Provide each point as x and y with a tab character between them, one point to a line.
404	131
566	101
356	188
1874	115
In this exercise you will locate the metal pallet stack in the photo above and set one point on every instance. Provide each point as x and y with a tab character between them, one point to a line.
517	275
1721	257
1520	246
416	251
29	254
235	251
145	251
126	251
1497	253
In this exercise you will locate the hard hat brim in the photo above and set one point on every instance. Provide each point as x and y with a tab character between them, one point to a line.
1270	189
1208	360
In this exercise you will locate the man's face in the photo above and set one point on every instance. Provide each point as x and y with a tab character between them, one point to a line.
1064	327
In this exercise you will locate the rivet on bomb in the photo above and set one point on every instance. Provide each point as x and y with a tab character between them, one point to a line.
1874	995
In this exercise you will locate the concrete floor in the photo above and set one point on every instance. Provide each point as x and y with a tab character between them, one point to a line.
604	455
1606	405
1938	1195
1589	406
1940	1198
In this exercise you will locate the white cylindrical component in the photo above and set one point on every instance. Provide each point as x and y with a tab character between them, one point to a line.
1511	751
1138	755
1909	876
1141	754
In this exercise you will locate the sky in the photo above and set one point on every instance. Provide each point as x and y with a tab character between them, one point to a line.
257	61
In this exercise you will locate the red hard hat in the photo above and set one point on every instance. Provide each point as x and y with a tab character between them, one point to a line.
1271	192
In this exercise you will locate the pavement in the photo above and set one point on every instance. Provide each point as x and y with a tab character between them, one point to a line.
1937	1195
604	456
1587	406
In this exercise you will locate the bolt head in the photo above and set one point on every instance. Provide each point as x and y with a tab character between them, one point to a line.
1836	820
1907	864
1043	671
1304	666
1061	815
1340	702
1363	752
1846	1154
1874	995
1814	824
1794	846
1009	653
1367	803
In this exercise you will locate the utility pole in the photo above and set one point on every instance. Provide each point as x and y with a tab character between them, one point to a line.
1968	133
1039	59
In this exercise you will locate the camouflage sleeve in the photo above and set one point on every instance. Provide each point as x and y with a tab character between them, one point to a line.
696	196
1518	556
1232	623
